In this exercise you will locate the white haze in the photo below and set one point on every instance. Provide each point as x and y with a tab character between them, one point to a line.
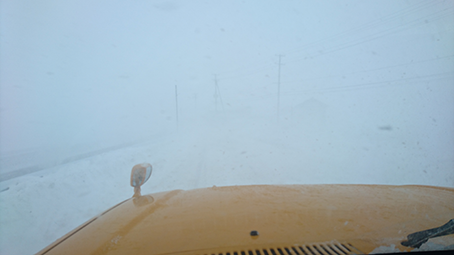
87	90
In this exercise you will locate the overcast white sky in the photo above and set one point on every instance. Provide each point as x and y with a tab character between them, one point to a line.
86	71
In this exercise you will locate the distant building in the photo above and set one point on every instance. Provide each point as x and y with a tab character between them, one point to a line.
309	114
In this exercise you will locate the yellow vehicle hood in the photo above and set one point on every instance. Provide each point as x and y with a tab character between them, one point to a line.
288	219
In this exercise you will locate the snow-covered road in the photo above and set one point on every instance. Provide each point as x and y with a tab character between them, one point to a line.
38	208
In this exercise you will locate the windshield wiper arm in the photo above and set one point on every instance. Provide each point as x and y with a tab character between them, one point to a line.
416	239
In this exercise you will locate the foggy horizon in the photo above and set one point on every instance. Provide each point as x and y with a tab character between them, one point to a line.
80	76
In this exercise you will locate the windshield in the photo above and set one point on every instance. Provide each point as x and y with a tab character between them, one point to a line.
215	93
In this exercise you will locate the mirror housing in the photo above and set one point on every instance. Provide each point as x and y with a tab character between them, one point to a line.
140	173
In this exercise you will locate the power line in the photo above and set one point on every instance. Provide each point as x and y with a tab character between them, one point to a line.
358	41
436	15
372	84
370	70
368	85
375	36
367	25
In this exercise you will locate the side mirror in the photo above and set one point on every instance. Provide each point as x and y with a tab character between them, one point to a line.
140	173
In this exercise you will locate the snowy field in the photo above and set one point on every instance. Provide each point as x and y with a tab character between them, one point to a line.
38	208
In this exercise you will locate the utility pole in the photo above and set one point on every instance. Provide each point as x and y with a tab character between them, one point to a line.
279	87
176	104
217	94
